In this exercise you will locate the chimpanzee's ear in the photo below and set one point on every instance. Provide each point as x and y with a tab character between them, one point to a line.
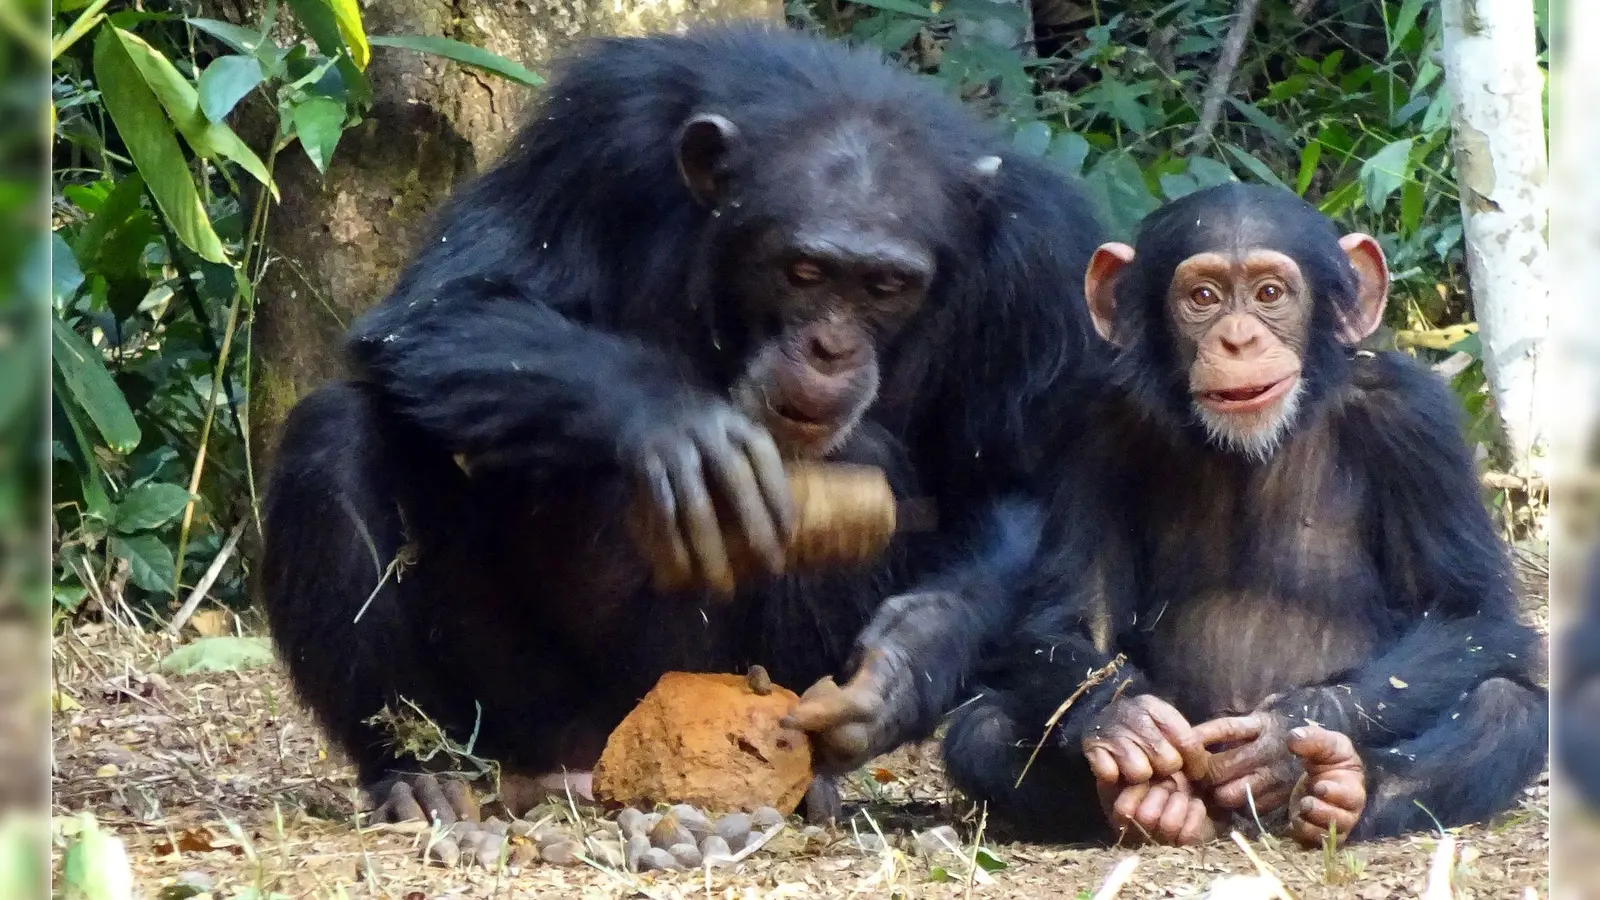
1372	287
703	144
1099	286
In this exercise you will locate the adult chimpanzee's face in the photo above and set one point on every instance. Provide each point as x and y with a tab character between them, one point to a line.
1238	312
826	251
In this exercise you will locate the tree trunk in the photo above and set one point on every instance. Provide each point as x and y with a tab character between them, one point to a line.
339	241
1489	61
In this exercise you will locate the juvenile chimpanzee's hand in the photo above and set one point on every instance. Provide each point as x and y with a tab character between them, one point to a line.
849	724
702	447
1140	739
1333	792
1256	767
1165	811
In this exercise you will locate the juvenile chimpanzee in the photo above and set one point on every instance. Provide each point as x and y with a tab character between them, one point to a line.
705	254
1284	537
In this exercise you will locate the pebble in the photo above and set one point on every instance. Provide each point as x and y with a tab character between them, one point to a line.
714	847
444	851
638	846
765	817
735	829
462	830
494	826
632	822
658	860
607	852
693	819
869	843
668	833
815	834
198	880
522	828
929	843
523	855
548	835
561	853
485	848
687	855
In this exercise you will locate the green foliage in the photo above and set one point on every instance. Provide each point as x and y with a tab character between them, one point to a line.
218	654
158	215
1347	108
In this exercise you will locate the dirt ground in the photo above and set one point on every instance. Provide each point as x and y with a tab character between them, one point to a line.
222	781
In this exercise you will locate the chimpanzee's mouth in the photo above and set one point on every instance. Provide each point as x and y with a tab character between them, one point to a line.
799	418
1247	399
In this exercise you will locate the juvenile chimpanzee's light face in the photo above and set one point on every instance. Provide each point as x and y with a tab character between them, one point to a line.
829	252
1242	295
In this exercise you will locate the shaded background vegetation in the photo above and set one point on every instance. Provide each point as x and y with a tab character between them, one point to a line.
173	121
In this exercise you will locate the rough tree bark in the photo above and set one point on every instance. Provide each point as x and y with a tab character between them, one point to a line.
339	240
1499	139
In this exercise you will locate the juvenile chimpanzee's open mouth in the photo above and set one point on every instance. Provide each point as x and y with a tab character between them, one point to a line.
1247	399
795	415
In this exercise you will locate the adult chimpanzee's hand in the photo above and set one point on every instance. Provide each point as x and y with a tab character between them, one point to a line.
1256	767
705	456
1140	739
848	724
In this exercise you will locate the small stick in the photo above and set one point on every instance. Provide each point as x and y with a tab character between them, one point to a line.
1095	677
192	602
1222	76
1262	868
1117	879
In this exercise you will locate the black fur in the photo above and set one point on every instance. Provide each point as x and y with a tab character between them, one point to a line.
567	300
1355	572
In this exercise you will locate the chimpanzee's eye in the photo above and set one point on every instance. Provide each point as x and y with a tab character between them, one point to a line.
886	284
1204	296
805	271
1269	293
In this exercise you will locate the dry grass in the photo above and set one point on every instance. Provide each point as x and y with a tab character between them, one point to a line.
226	776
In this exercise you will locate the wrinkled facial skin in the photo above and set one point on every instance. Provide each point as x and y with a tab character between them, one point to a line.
1242	330
824	264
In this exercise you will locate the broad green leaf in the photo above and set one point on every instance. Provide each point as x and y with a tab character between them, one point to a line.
348	14
150	506
1341	199
1404	23
1124	197
68	417
1330	63
1068	151
1261	120
987	861
150	141
227	81
1175	185
1209	172
218	654
182	103
1256	166
1309	156
65	276
319	121
1032	139
113	212
83	371
95	864
1412	200
150	563
468	55
1385	172
239	38
318	18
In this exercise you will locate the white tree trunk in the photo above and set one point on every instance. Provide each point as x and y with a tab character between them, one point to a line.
1489	61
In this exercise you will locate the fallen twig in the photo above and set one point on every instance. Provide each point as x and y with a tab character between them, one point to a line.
192	602
1222	76
1095	677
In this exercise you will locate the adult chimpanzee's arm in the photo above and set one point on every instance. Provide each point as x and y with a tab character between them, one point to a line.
1446	570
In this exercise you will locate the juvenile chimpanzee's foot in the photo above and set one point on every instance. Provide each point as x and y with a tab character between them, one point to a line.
1332	793
421	798
822	805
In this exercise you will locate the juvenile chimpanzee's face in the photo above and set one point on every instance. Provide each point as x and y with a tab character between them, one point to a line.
825	251
1232	289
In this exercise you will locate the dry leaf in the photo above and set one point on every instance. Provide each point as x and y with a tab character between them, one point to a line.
883	776
210	622
1398	683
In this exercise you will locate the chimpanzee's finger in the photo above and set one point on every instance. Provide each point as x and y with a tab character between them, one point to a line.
1153	807
1320	748
1125	808
1197	825
1229	730
1347	795
699	518
738	482
768	467
1174	816
1194	757
1238	793
666	527
827	708
433	800
1131	761
1102	763
1314	819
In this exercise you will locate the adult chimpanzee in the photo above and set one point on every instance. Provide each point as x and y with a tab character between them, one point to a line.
705	254
1285	539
